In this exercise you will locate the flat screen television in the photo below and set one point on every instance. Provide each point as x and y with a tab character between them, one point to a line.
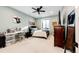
71	17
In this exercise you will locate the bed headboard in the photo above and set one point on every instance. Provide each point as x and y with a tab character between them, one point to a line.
32	26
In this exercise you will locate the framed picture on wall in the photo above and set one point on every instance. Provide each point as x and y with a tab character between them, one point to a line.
17	19
71	17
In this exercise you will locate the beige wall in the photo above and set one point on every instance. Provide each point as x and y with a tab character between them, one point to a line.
52	19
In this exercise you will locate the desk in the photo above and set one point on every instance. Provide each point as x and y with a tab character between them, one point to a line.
11	37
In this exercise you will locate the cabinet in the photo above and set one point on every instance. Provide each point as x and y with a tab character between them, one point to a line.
10	39
70	39
59	37
2	41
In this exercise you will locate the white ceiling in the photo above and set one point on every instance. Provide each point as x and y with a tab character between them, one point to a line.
49	10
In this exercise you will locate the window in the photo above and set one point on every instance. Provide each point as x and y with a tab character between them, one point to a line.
45	24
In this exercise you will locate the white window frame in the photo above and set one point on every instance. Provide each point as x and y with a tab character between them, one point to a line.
47	26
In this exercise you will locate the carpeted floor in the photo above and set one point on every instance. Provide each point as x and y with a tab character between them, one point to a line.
34	45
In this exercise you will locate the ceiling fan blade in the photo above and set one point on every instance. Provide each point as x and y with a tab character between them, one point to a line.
42	10
40	7
34	8
34	11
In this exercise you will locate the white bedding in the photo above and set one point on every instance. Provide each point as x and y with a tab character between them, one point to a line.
40	33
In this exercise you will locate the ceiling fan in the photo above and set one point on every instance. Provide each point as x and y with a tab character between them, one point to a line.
38	9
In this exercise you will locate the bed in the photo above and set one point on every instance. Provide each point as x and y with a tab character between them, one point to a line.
33	30
40	34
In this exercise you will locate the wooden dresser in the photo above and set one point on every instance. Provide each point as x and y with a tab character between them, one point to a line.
59	37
